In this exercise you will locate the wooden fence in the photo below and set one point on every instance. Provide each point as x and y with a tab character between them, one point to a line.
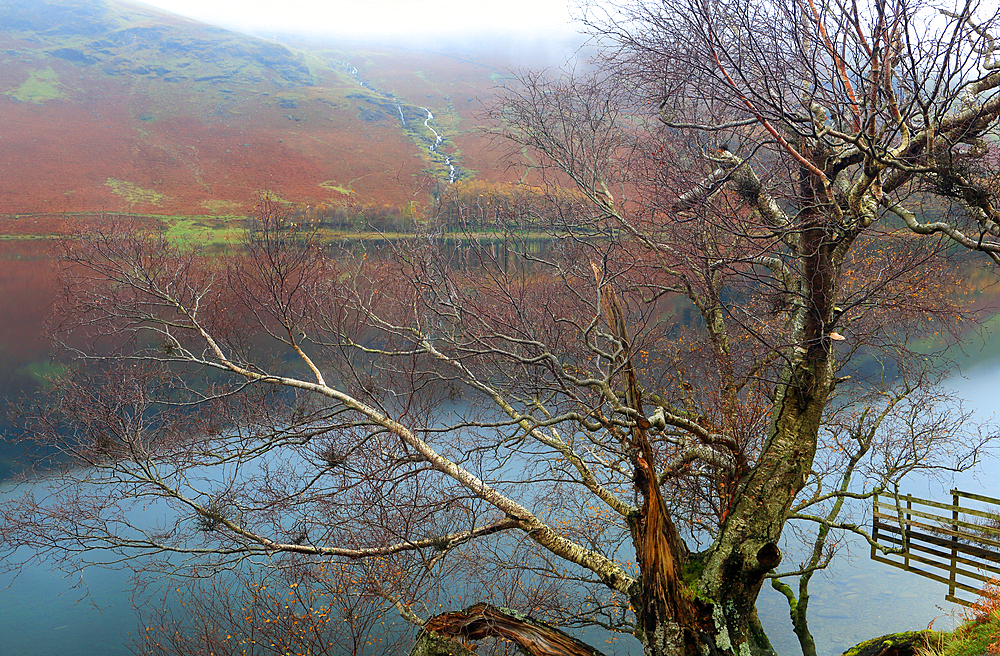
957	545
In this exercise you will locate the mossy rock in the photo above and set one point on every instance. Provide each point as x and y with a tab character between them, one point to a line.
895	644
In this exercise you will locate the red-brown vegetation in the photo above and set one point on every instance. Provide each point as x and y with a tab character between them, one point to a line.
102	139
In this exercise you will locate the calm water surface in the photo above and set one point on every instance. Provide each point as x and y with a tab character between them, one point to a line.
42	614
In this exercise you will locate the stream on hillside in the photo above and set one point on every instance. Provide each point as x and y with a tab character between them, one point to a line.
387	101
42	613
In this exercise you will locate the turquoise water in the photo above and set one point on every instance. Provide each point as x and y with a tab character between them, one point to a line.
859	599
42	614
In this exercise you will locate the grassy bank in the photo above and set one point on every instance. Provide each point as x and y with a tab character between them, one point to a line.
978	635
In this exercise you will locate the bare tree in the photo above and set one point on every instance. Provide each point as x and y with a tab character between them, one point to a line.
722	329
317	609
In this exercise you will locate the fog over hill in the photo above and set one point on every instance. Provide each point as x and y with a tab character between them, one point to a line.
107	106
525	32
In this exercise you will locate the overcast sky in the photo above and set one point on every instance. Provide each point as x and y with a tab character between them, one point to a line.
516	20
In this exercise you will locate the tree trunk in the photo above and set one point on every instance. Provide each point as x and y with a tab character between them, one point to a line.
448	634
431	644
667	616
747	547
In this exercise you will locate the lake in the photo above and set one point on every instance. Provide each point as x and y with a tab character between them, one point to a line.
41	613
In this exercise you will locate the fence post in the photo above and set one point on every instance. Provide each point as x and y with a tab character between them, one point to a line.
906	532
954	543
874	525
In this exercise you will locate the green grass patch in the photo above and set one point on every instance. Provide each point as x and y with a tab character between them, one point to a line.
274	197
331	185
228	208
39	87
133	193
969	639
215	232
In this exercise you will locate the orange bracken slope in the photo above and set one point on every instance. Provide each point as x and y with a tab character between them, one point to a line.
109	107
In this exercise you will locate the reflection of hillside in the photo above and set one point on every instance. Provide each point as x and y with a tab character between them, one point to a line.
27	278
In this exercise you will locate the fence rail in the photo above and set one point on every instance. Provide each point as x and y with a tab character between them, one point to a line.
957	545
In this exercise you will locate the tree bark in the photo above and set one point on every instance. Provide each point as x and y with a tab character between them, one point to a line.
666	613
448	634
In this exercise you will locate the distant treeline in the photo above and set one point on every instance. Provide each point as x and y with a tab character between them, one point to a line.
469	206
478	206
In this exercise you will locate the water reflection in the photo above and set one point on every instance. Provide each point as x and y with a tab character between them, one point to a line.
41	614
27	288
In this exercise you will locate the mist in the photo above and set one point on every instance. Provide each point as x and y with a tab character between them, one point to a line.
520	32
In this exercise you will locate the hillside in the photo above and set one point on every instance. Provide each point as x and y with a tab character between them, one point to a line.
112	107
